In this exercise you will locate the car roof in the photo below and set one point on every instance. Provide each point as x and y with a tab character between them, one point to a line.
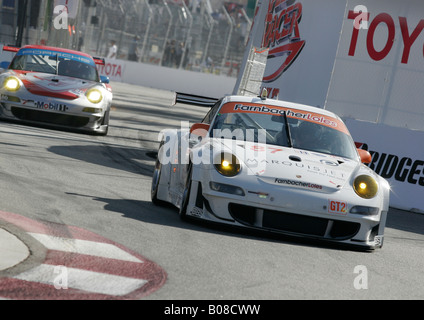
57	49
279	103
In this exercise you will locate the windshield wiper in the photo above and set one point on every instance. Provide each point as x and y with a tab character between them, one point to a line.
288	132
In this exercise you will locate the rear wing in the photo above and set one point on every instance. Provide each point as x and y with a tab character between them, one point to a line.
11	48
194	100
99	61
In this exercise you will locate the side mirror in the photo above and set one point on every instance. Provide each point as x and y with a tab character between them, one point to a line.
200	129
4	64
365	156
104	79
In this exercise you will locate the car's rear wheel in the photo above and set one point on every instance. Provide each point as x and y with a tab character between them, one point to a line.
186	193
156	179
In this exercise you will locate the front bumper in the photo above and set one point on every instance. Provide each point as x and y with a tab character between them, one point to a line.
58	114
292	213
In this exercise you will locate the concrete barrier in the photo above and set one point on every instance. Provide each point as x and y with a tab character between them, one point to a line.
165	78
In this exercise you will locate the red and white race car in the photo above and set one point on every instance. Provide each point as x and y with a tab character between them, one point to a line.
55	87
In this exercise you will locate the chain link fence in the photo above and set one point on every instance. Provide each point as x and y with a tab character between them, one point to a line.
187	34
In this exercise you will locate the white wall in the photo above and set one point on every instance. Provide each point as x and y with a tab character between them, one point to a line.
158	77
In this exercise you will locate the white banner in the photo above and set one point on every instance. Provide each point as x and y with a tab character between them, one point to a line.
302	36
379	69
114	69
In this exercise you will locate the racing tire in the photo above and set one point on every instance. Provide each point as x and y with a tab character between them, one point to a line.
156	179
186	194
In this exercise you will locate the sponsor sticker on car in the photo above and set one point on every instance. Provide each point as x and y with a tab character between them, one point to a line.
234	107
50	106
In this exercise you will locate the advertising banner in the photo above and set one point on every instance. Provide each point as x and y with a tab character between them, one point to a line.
114	69
398	157
379	68
302	37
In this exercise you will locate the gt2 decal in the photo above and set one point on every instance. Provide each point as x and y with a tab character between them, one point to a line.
338	207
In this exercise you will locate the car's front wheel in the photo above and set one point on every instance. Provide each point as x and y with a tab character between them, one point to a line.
105	124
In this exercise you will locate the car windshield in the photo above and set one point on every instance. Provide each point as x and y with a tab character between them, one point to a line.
286	128
55	63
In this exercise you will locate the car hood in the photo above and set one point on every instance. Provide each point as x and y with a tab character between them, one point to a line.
292	167
53	85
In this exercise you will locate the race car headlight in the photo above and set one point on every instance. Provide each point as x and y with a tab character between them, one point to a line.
227	164
12	84
365	186
94	95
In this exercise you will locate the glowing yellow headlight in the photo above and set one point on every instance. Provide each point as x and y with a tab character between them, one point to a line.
365	186
227	164
12	84
94	95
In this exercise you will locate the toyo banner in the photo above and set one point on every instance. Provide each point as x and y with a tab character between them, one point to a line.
362	59
378	71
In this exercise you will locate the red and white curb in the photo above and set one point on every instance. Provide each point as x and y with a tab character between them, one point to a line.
80	264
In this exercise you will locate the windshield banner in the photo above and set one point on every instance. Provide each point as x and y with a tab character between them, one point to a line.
331	122
59	54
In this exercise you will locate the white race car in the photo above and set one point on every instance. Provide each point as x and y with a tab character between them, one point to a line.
55	87
276	166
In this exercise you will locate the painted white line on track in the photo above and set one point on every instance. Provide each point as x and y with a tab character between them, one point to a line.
98	249
84	280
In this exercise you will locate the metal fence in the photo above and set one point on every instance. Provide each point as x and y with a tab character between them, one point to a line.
172	33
